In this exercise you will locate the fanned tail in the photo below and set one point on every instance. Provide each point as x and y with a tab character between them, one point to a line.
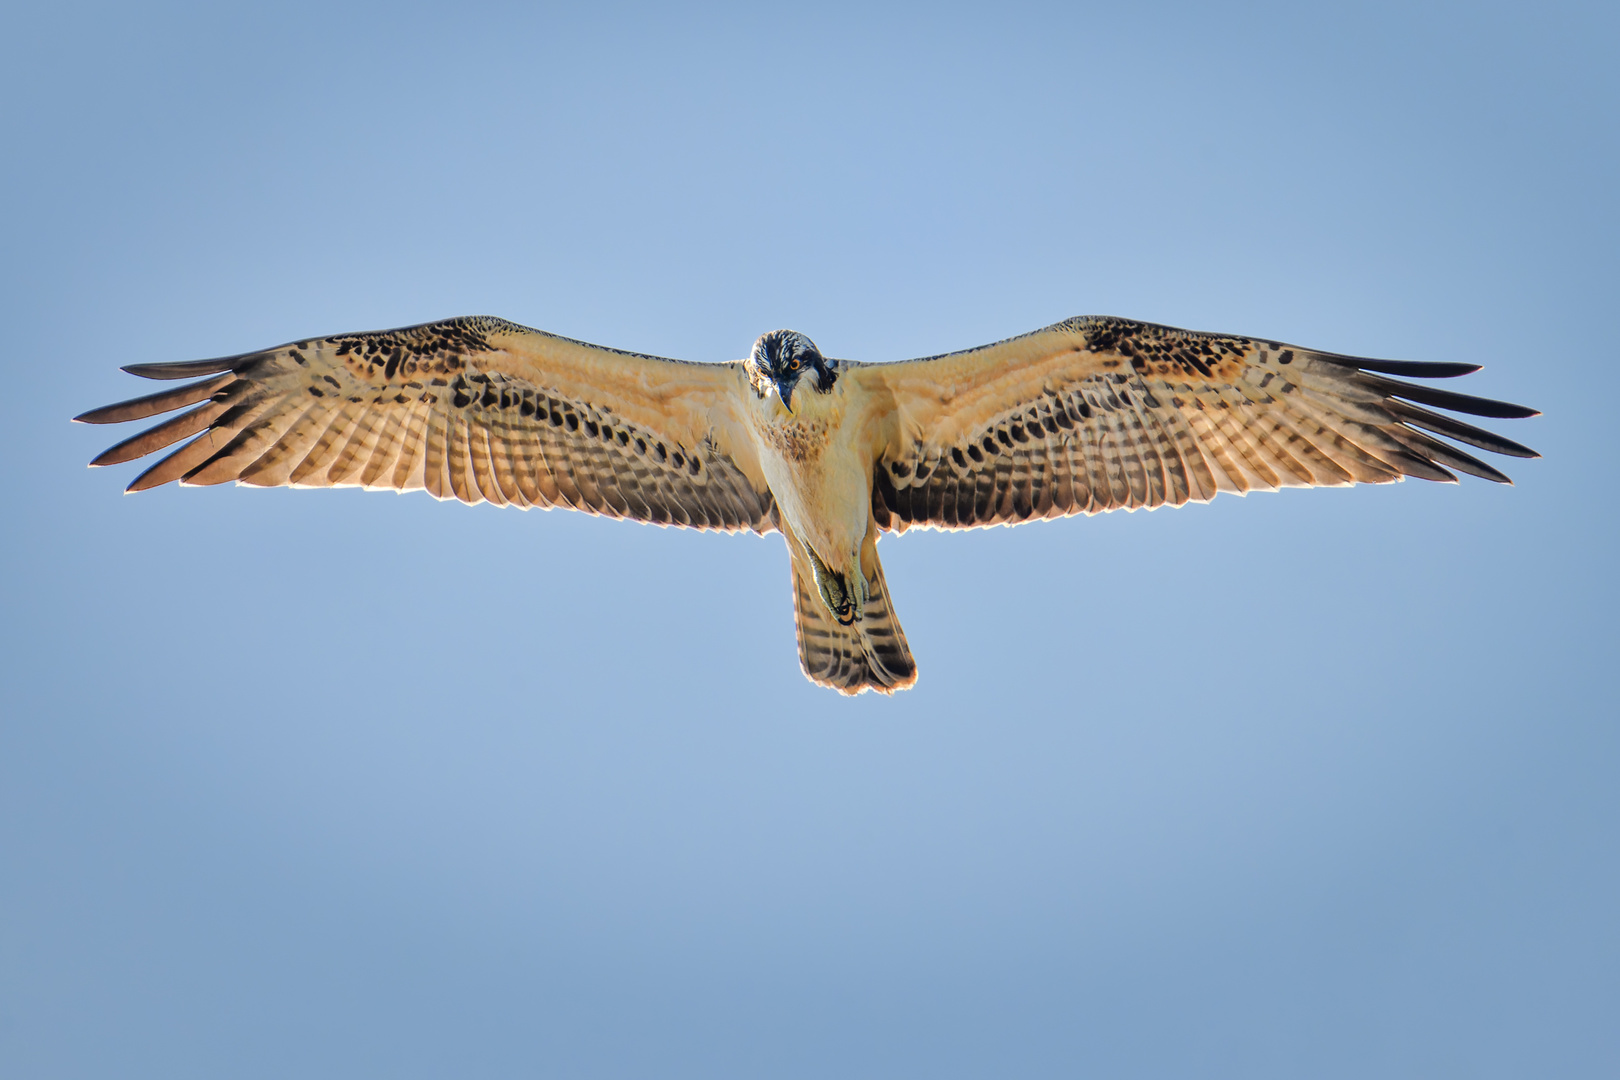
869	654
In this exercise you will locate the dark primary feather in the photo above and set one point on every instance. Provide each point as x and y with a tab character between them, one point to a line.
1456	429
1412	369
1445	399
156	438
187	369
152	404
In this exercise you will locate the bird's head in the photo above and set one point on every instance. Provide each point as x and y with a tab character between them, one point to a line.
782	357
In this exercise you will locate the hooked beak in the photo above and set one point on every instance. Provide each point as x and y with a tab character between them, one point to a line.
785	389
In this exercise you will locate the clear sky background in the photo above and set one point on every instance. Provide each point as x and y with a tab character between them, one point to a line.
335	784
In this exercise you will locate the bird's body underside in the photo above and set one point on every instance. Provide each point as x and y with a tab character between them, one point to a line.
1088	415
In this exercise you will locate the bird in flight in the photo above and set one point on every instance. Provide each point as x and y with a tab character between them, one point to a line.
1087	415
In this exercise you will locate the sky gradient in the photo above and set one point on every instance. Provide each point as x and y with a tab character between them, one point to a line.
1318	783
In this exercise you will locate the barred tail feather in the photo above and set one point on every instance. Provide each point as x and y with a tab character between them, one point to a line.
869	654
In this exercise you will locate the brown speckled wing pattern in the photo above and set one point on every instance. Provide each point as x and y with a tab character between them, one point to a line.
1098	414
477	409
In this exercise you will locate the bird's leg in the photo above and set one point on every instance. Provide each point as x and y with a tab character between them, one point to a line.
846	604
859	594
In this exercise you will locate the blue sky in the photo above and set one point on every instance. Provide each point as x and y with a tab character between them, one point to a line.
347	784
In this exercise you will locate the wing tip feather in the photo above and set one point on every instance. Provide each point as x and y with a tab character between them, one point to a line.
1449	400
1412	369
186	369
103	415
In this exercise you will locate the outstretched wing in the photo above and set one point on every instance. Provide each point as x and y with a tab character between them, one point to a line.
475	409
1101	414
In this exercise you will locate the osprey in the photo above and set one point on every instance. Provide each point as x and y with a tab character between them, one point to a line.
1088	415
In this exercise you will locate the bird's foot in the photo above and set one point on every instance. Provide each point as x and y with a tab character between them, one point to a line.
844	594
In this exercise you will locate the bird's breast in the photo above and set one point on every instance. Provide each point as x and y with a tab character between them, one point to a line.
816	473
798	441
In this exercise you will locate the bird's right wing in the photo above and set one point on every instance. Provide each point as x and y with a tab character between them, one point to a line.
1100	413
474	409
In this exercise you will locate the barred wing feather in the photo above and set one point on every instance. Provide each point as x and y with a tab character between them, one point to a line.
1099	413
474	409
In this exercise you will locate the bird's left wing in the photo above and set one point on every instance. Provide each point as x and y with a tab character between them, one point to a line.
1101	413
474	409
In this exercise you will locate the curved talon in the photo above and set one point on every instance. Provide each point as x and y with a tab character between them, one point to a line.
847	605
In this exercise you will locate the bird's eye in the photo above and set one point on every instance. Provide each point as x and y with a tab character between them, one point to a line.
794	364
